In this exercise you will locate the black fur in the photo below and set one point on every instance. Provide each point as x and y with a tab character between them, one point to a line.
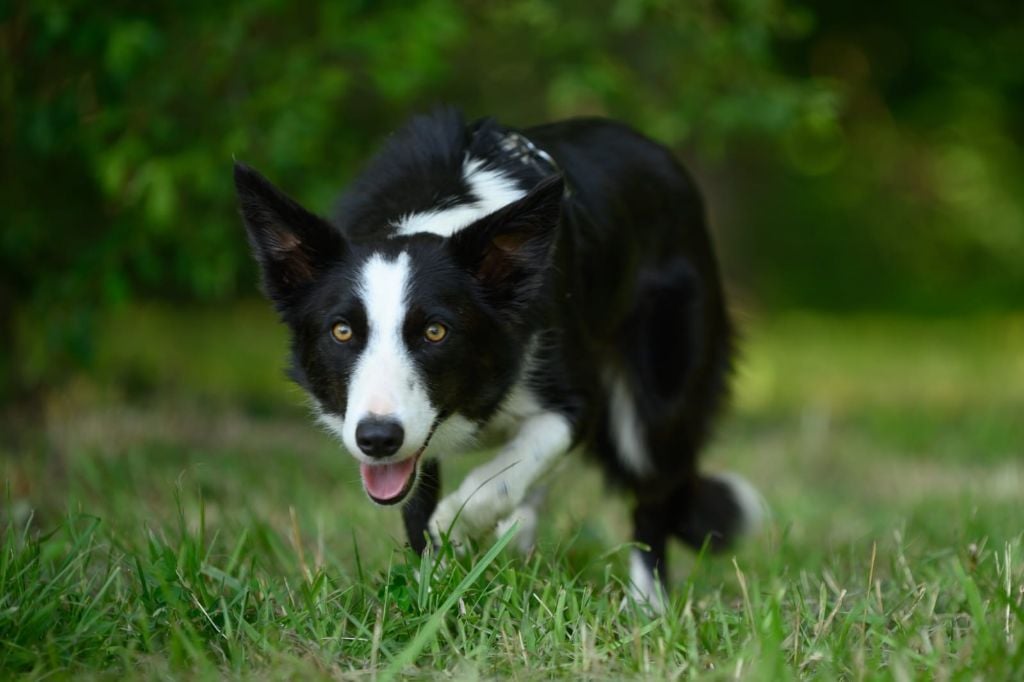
604	269
421	504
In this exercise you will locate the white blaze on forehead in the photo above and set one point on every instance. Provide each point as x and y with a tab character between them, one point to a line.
384	381
491	190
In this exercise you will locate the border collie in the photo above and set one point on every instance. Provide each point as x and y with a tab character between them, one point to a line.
555	286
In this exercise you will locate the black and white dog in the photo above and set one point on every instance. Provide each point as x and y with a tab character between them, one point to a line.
556	286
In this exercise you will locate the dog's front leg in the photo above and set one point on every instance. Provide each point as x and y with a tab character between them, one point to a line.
421	505
492	491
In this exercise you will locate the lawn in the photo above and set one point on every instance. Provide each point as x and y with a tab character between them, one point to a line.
176	513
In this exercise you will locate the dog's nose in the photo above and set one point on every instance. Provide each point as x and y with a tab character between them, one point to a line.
379	437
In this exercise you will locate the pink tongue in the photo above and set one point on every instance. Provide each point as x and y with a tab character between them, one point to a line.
387	481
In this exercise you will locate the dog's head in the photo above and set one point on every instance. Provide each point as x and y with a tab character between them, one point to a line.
399	338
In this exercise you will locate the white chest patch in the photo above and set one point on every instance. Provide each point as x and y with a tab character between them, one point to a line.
492	190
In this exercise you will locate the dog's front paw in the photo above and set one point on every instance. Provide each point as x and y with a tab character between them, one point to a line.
526	532
447	523
460	517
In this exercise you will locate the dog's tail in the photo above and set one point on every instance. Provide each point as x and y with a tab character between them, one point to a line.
723	508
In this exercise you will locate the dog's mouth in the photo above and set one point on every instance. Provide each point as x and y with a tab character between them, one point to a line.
390	483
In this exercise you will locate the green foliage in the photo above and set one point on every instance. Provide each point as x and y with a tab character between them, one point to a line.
911	200
856	157
119	123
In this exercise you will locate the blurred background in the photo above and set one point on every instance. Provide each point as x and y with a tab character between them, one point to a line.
862	161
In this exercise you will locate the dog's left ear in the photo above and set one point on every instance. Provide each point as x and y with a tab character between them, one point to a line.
291	244
510	250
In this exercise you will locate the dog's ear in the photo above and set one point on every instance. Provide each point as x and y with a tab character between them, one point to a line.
291	244
509	251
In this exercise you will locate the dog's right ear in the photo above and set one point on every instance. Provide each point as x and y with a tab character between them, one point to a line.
291	244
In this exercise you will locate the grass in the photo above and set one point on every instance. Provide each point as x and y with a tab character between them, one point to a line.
176	514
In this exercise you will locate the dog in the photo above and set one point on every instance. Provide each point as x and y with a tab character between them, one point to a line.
554	286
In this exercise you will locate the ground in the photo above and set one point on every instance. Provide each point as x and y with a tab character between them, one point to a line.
176	513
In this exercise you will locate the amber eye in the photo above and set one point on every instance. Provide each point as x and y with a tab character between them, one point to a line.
435	332
341	332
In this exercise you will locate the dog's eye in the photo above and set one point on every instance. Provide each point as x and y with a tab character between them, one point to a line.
435	332
341	332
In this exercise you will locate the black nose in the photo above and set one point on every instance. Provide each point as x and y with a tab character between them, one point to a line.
379	437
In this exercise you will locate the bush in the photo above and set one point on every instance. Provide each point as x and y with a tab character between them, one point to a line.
120	124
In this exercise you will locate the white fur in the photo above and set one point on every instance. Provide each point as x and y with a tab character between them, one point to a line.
332	422
454	435
527	515
492	190
644	587
753	507
519	404
627	431
384	381
492	491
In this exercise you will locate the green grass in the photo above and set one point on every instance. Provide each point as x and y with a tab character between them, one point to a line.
177	514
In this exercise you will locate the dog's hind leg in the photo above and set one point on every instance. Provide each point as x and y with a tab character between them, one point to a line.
713	509
624	449
652	524
421	505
